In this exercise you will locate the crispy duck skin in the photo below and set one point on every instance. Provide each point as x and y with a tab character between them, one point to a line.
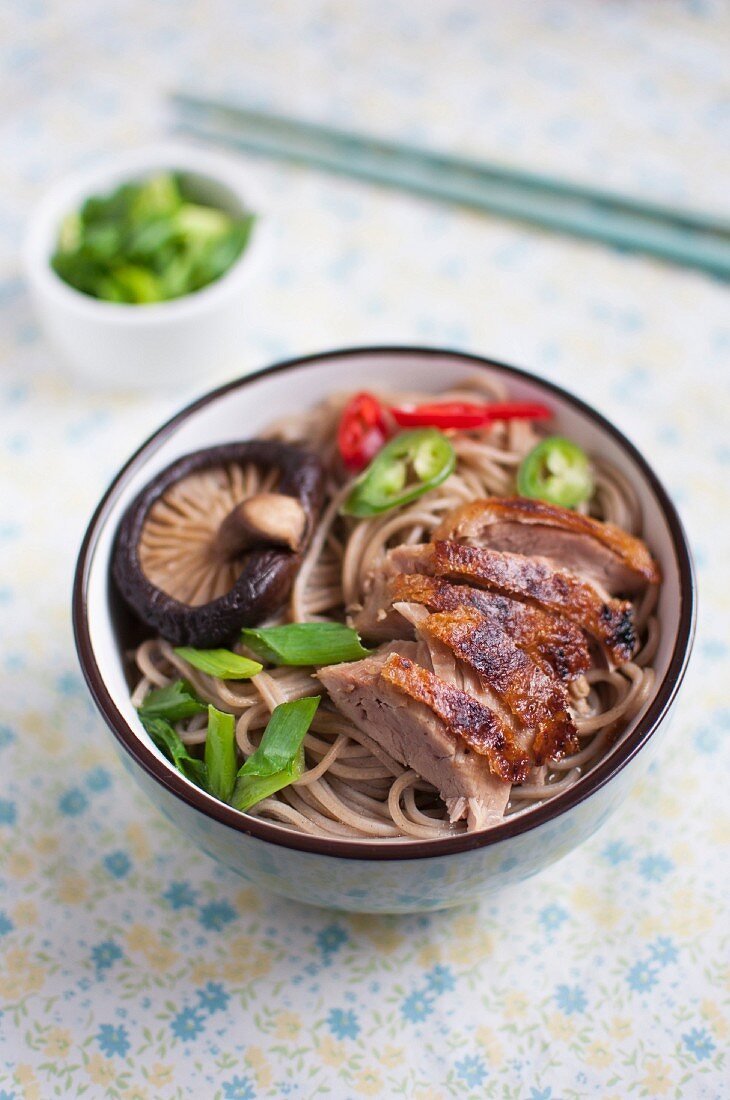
537	700
478	726
599	551
608	620
554	642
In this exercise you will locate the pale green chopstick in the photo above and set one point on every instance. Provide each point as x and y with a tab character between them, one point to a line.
691	238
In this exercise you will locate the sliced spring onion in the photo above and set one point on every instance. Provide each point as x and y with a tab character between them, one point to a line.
305	644
148	241
222	663
174	702
557	471
279	759
407	467
251	789
169	742
220	754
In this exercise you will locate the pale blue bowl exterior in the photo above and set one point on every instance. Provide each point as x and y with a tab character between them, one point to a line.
398	885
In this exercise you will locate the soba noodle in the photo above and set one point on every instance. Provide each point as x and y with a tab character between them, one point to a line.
351	787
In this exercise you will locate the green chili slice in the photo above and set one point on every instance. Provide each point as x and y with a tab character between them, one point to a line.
407	467
557	471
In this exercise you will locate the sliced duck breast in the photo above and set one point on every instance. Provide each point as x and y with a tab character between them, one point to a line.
598	551
410	731
536	698
608	620
553	642
479	727
529	580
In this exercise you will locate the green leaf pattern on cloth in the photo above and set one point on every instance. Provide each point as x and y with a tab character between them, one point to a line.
131	965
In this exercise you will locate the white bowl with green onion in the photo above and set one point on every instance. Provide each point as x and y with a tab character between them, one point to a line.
139	266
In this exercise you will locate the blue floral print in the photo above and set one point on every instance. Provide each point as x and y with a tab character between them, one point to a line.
699	1043
238	1088
68	683
663	951
179	895
655	868
343	1023
570	999
187	1023
617	852
213	997
216	915
471	1070
105	954
417	1006
98	779
118	864
113	1040
73	802
331	938
8	812
552	916
440	979
642	976
230	992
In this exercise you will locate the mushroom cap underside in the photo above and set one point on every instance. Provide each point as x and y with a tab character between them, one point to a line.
170	562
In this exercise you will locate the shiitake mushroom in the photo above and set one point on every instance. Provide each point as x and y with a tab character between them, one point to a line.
214	541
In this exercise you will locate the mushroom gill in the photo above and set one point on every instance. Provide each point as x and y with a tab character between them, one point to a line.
214	541
179	545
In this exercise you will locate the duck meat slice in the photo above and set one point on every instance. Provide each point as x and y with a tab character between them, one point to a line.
608	620
478	726
375	620
555	643
410	732
600	552
437	657
537	699
531	581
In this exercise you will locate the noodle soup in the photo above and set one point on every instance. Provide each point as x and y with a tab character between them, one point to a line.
352	784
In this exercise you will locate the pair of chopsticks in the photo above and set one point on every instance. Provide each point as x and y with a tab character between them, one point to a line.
685	237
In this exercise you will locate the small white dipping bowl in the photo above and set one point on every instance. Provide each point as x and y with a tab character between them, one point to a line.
123	346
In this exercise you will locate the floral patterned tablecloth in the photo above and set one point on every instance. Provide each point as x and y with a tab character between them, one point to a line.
132	966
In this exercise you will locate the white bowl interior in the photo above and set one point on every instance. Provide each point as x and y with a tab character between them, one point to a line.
243	412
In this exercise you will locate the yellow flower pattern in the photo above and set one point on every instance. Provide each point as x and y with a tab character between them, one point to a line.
131	966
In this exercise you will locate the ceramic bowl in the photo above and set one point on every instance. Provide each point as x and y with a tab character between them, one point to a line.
386	875
113	345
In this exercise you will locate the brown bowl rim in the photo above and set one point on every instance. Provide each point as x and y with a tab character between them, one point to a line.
384	849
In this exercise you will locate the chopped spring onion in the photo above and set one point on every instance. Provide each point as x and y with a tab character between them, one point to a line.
170	744
557	471
222	663
251	789
220	754
305	644
174	702
148	241
279	759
